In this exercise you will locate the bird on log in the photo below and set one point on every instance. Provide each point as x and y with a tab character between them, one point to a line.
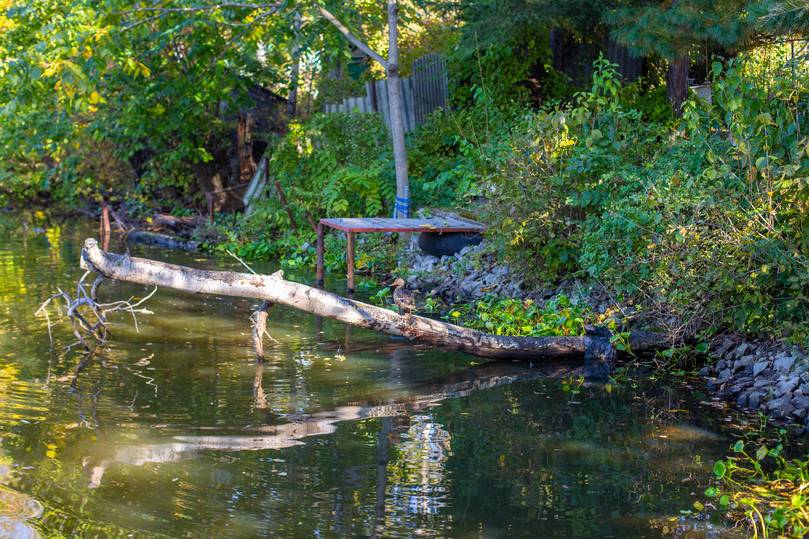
403	298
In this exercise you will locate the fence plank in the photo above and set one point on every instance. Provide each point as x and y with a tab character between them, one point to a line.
430	87
423	93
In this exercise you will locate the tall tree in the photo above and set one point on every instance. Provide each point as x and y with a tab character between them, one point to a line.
671	29
391	66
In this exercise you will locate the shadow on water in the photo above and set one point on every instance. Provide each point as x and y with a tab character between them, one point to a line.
174	430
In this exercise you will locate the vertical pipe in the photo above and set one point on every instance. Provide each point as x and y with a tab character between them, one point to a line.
320	247
350	262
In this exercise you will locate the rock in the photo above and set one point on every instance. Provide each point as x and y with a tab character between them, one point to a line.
761	382
786	385
724	374
800	413
721	365
705	371
783	362
759	367
741	350
754	399
721	347
740	384
744	363
780	407
799	401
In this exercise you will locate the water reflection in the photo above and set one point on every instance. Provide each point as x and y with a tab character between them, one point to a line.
175	429
426	442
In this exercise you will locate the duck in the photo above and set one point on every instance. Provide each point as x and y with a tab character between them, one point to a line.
404	299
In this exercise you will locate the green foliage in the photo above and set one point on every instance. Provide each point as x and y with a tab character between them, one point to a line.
782	16
514	317
336	165
651	102
689	224
671	29
448	153
760	484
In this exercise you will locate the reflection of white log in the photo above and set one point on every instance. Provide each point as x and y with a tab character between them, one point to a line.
290	434
275	289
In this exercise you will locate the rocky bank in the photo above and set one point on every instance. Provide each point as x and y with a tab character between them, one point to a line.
768	376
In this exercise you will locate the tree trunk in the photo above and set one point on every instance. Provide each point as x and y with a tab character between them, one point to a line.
677	83
396	113
391	66
274	289
294	78
244	136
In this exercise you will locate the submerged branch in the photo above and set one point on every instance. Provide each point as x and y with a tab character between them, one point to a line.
83	329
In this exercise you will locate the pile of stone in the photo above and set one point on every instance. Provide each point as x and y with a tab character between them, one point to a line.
771	377
467	275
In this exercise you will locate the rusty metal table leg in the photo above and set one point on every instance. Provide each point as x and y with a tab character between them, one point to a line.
320	247
350	261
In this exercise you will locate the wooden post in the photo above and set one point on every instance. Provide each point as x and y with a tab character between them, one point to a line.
320	247
397	120
209	199
105	229
350	262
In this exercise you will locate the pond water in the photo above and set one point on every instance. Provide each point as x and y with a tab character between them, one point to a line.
174	430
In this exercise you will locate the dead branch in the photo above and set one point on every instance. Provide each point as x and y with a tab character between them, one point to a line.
88	317
259	322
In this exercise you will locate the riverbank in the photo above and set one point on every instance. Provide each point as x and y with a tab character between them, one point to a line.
768	376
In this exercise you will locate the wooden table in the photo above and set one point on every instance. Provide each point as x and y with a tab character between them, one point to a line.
355	225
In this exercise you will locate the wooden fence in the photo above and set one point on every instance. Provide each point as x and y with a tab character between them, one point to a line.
422	93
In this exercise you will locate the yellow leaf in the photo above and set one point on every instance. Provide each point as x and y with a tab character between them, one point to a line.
144	71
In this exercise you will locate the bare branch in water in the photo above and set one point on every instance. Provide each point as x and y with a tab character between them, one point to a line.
92	323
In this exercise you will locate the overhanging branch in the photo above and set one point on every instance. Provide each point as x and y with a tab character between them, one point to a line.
352	38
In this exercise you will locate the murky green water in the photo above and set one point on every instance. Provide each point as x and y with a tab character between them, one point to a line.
174	430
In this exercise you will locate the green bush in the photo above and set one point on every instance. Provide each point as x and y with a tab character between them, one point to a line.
335	165
705	225
515	317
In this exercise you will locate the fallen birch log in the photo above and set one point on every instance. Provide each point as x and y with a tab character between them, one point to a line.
276	290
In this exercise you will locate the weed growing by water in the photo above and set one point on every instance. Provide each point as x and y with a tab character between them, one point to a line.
514	317
759	483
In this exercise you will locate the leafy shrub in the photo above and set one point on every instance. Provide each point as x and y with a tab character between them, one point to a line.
706	226
335	164
515	317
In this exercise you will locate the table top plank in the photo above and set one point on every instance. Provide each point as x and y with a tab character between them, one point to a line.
383	224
